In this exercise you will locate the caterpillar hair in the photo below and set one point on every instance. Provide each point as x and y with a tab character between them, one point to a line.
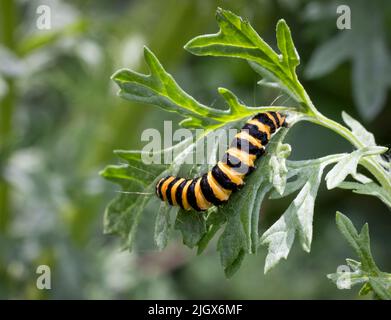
227	176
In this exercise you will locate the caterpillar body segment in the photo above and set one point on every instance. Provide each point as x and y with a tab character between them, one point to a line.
228	175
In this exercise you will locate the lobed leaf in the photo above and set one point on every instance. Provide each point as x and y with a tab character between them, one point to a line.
237	39
163	225
297	218
290	57
371	188
366	271
348	165
159	88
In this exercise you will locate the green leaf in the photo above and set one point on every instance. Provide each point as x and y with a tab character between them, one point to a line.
163	225
213	223
159	88
329	55
237	39
367	138
371	188
278	173
122	217
124	174
192	225
348	165
370	77
297	218
365	271
290	57
138	181
381	287
304	176
365	45
359	242
39	40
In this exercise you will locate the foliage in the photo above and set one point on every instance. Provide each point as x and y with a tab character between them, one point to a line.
365	271
365	45
239	218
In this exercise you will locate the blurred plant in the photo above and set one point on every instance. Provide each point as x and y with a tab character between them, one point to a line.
238	39
365	272
365	45
50	197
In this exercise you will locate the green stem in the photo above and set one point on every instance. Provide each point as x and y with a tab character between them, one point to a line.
368	162
7	20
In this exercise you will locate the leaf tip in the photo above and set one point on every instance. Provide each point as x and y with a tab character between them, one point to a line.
281	23
225	92
219	12
149	55
146	50
189	45
339	216
116	74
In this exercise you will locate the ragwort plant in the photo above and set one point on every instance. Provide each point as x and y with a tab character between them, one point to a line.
275	177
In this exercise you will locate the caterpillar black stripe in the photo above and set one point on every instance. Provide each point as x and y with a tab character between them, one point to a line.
216	186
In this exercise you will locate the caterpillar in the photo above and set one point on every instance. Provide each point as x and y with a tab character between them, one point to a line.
215	187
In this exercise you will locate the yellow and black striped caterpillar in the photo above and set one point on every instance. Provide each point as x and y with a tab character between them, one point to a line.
216	186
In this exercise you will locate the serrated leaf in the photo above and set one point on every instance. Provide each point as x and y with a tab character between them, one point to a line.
290	57
214	222
192	225
297	218
371	188
348	165
232	245
361	178
291	185
235	106
124	174
367	138
159	88
236	38
278	173
122	217
365	271
163	225
279	239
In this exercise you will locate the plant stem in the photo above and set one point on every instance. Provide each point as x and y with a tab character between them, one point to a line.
368	162
7	20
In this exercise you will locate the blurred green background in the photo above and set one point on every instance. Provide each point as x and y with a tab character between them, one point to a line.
60	119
